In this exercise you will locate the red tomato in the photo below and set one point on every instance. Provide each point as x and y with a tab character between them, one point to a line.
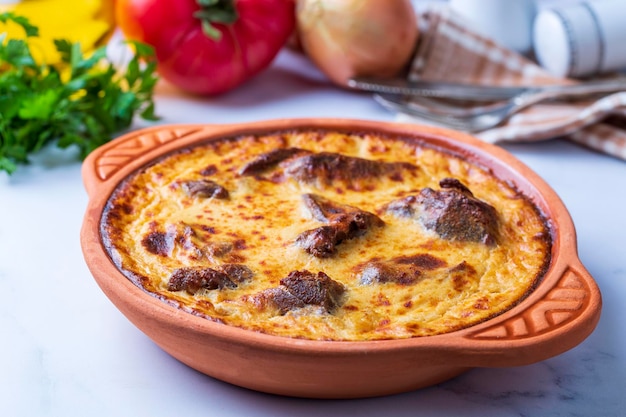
198	53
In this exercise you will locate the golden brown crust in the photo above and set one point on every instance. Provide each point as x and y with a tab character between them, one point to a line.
327	235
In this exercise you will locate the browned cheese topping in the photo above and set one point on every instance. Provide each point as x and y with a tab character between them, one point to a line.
327	235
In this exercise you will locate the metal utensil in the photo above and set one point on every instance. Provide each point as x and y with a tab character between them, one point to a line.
474	92
473	119
435	89
482	117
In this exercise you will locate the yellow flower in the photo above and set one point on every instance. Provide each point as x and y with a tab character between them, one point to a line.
89	22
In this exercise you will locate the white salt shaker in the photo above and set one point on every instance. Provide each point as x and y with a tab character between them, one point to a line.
508	23
582	39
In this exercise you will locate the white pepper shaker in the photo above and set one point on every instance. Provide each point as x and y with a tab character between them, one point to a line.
582	39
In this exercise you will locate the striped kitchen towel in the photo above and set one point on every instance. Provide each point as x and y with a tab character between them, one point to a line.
449	51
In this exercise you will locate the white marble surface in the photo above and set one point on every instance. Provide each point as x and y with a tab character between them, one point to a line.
66	351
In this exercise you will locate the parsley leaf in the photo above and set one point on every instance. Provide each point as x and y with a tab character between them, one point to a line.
82	102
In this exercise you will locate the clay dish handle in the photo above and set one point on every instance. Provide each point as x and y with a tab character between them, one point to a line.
559	315
105	163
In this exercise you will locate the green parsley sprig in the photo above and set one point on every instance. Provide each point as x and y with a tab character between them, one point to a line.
81	102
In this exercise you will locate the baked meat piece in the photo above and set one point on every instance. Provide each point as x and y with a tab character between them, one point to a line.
343	223
452	212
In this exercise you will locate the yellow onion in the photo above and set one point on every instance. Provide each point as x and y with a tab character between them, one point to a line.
347	38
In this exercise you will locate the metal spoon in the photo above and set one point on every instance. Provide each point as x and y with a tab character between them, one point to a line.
482	117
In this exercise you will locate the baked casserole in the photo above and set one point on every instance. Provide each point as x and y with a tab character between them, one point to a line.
327	235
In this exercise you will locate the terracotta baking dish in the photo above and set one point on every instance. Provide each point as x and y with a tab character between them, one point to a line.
559	314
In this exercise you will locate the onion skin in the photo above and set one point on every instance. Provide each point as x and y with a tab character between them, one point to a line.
348	38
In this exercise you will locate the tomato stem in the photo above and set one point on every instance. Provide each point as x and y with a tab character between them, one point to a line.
215	11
